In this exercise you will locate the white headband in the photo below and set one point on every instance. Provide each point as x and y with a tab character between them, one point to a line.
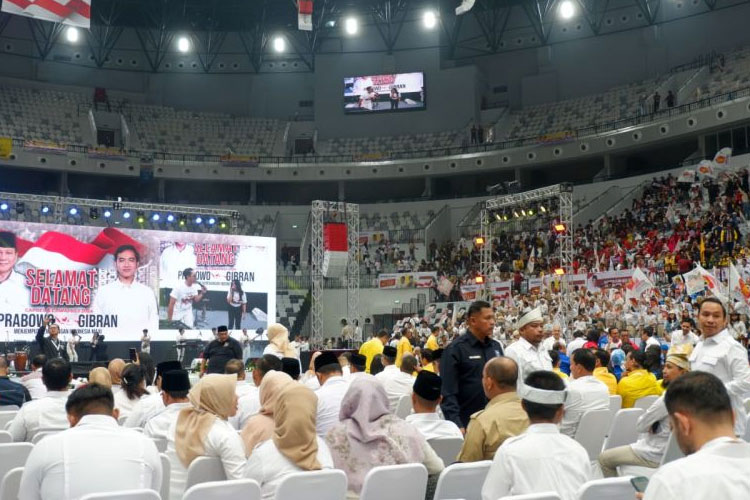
542	396
529	317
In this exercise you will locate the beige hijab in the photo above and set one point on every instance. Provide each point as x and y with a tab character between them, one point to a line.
294	419
101	376
260	427
213	396
278	335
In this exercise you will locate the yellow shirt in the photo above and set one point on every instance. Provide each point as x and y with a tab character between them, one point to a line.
609	380
429	367
403	347
370	349
432	343
560	374
502	418
637	384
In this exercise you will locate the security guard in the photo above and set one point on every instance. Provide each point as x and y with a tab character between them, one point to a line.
462	363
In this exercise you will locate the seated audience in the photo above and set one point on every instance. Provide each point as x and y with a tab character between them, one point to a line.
397	381
369	435
12	392
291	367
716	465
541	459
201	429
115	367
502	418
33	381
133	385
47	412
175	385
357	364
101	376
425	400
601	372
259	427
237	367
152	403
293	446
584	391
653	426
94	456
636	382
249	404
377	365
555	357
331	391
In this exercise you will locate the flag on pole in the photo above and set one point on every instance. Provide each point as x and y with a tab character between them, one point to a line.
699	280
304	17
706	170
638	285
70	12
722	158
738	287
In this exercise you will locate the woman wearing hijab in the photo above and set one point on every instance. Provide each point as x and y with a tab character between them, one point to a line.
369	435
294	445
202	429
278	342
260	427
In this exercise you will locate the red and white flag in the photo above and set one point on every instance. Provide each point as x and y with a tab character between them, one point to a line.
304	17
71	12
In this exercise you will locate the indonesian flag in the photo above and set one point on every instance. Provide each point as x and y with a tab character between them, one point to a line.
637	286
304	14
722	158
59	251
70	12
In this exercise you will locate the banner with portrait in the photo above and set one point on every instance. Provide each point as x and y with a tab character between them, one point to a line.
407	280
118	282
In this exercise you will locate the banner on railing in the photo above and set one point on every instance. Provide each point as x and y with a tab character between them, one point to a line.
107	153
607	279
372	237
6	147
557	137
46	146
500	289
239	160
407	280
375	156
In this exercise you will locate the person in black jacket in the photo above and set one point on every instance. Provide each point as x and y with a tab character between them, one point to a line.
219	351
51	346
462	363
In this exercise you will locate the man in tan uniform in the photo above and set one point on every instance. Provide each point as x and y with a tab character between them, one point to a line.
502	418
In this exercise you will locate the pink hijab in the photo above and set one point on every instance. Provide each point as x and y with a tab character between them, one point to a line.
260	427
369	435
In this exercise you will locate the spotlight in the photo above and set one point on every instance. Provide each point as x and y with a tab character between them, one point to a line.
45	209
479	280
429	19
351	25
542	209
71	34
530	212
183	221
126	215
20	207
515	214
155	217
498	216
479	241
505	216
559	271
331	23
3	206
279	44
93	213
523	212
183	44
211	221
140	218
223	224
170	218
73	211
107	214
567	9
560	228
198	220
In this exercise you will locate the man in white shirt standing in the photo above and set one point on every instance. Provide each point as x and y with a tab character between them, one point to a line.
33	381
684	335
541	459
132	302
331	391
585	392
399	382
47	412
181	342
94	456
183	296
175	385
425	400
716	465
576	343
527	352
146	342
553	339
719	354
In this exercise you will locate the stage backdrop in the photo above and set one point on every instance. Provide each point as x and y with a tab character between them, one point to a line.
70	272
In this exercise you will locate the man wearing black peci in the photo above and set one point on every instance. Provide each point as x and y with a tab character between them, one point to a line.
219	351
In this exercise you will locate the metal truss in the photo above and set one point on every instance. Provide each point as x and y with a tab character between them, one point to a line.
103	35
44	35
492	17
320	213
208	46
389	17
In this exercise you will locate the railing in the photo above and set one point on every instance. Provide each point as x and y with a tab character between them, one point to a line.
295	161
302	281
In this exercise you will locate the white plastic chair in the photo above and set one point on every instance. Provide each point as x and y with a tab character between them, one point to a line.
6	416
644	402
403	408
672	453
622	431
205	470
246	489
124	495
166	475
613	488
462	481
43	434
591	431
395	482
615	403
547	495
6	437
13	455
329	484
11	484
447	448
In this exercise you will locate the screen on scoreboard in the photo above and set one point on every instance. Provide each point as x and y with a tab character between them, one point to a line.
384	93
118	282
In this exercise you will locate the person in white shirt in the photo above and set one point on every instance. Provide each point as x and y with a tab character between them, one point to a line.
653	426
249	404
331	391
72	346
201	429
425	400
146	342
237	301
739	330
33	381
133	303
183	296
527	352
585	392
181	341
541	459
173	260
245	341
13	293
718	353
133	389
684	335
716	465
175	385
550	341
47	412
294	445
94	456
576	343
396	382
235	367
648	338
151	404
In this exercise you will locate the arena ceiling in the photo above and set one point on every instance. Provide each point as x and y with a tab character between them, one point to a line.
217	27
